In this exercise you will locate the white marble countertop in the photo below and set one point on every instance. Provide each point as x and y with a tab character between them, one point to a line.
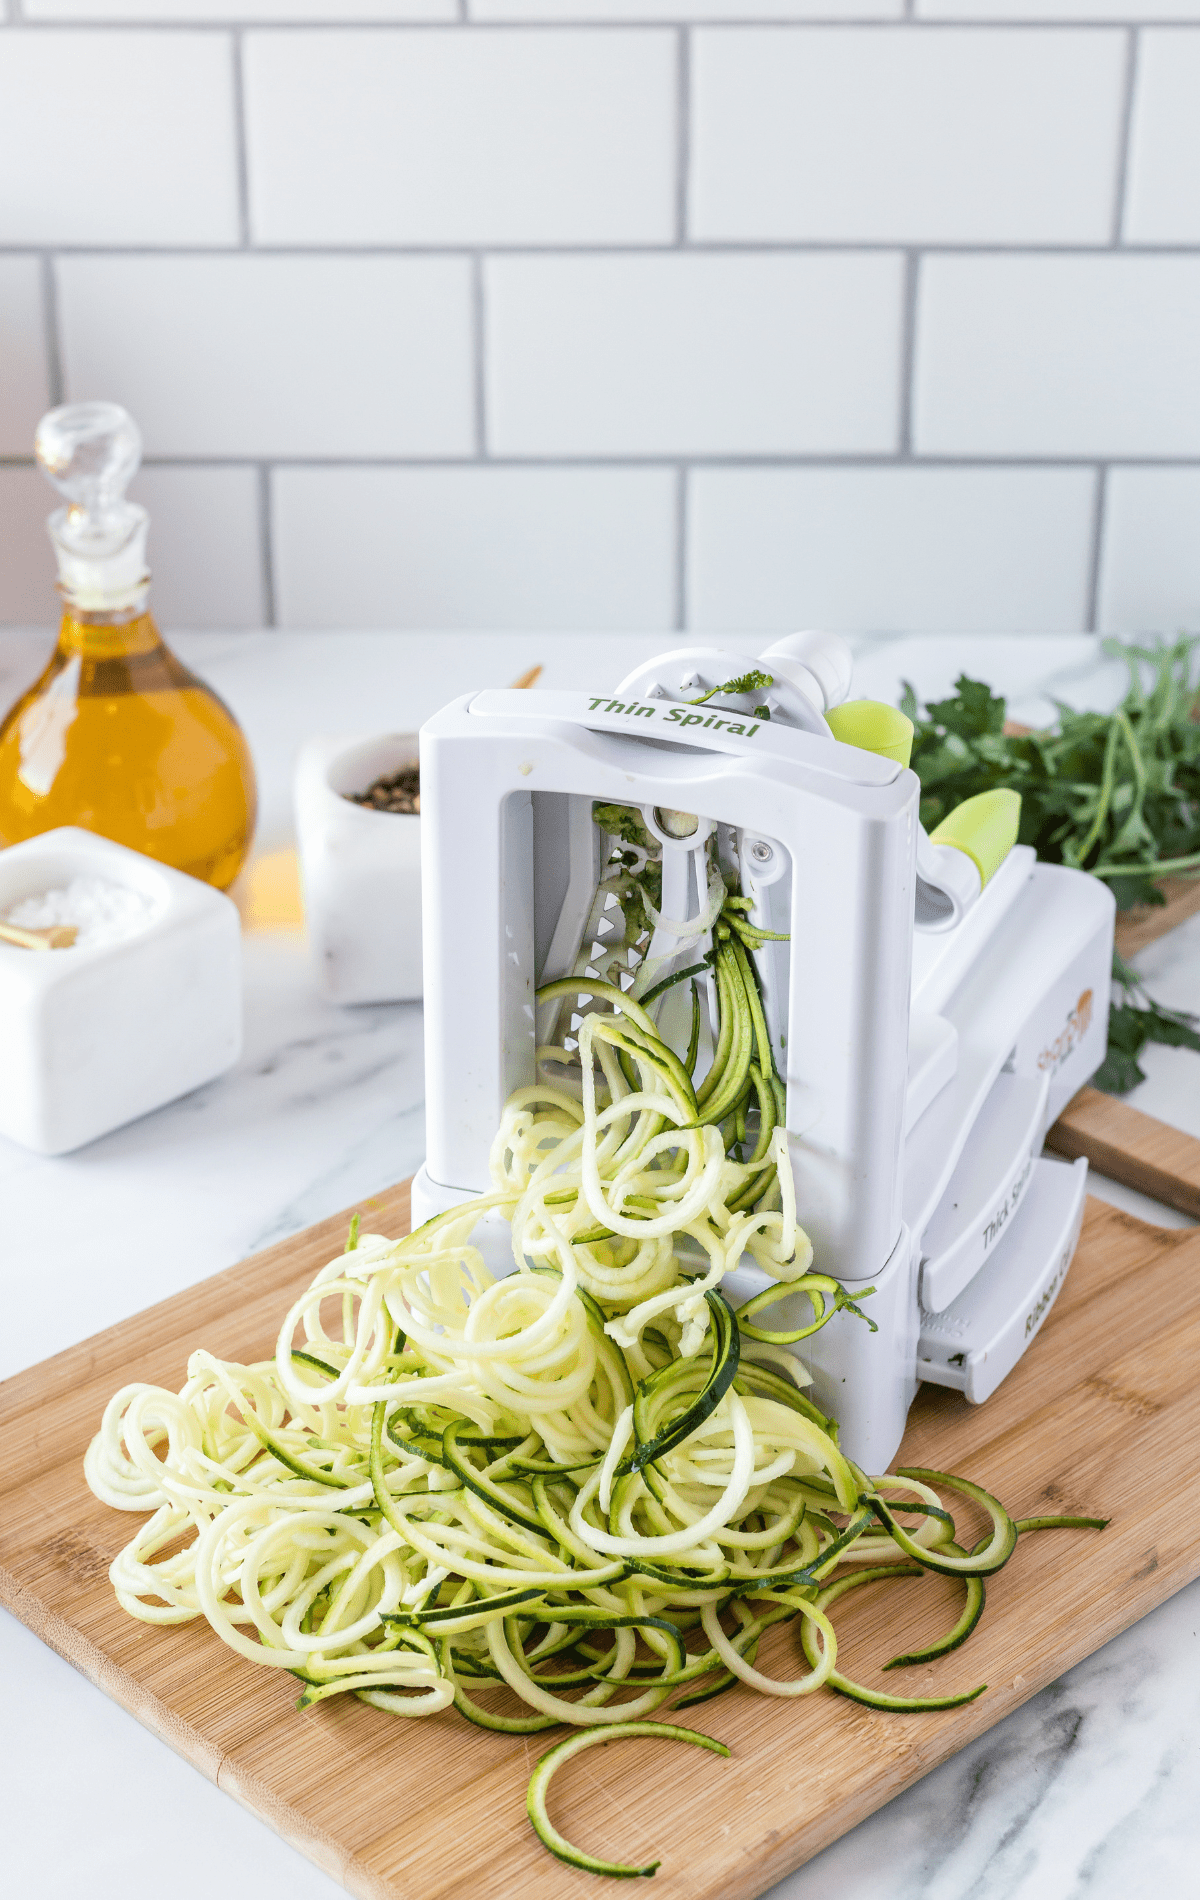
1093	1788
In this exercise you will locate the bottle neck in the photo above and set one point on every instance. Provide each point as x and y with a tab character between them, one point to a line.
107	636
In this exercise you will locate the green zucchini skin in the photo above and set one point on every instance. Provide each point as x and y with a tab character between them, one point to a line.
955	1637
483	1718
726	1354
720	1684
539	1784
468	1615
856	1691
976	1592
828	1297
898	1704
751	1377
981	1562
454	1456
1025	1524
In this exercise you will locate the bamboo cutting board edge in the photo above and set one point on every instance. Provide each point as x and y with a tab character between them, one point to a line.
903	1757
1124	1144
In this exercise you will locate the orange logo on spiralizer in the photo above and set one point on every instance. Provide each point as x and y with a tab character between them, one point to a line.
1074	1030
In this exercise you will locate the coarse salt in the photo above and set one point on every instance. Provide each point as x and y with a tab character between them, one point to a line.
101	910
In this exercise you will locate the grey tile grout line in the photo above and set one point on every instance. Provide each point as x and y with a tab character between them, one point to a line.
908	352
50	324
666	460
628	248
681	548
683	134
1121	180
599	23
266	539
1096	551
241	155
479	356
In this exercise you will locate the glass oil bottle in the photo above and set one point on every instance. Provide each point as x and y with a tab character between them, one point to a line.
117	736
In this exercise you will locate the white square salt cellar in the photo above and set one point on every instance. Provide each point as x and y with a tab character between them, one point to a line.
144	1006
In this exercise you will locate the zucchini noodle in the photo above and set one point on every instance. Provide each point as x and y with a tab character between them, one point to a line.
447	1486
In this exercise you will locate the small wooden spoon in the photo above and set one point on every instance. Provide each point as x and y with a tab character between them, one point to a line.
53	937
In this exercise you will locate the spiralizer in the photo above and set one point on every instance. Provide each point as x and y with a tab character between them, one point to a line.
931	1001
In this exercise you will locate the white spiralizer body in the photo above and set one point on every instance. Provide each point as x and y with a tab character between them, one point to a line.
928	1024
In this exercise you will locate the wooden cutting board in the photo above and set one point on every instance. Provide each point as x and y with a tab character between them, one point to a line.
1122	1143
1102	1417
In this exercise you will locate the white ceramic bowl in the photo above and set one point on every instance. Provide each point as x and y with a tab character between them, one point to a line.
361	871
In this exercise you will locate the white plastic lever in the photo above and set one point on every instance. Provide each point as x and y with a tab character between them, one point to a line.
948	883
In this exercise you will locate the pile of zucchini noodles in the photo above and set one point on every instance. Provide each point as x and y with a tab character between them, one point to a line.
590	1482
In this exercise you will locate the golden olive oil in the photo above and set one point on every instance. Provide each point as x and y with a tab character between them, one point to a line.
119	737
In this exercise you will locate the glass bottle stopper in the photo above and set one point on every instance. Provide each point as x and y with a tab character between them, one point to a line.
90	452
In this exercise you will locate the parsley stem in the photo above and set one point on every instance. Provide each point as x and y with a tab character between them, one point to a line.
1138	868
1079	853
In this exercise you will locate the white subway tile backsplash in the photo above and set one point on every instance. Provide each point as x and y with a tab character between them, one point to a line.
475	547
1040	355
691	215
1050	10
205	545
889	549
693	354
27	596
449	138
686	10
24	375
1150	568
117	138
170	11
944	136
264	356
1163	195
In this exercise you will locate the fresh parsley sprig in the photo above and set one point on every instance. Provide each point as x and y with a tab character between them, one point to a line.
1133	1022
752	682
1117	794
